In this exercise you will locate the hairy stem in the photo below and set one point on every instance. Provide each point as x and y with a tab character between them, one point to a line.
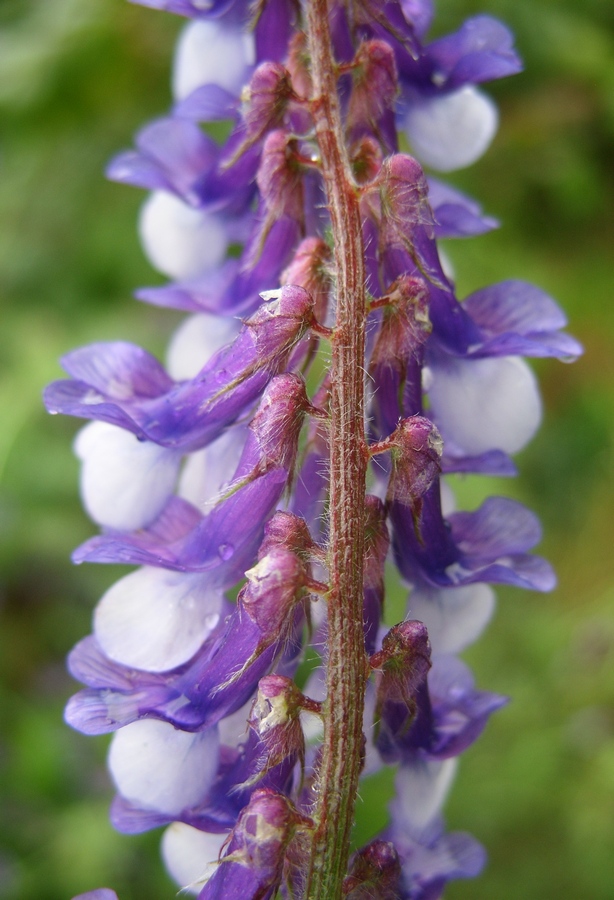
347	670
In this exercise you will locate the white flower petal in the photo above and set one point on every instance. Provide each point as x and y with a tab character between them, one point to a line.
160	767
422	788
234	729
211	52
125	483
208	470
485	404
156	619
195	341
190	855
448	499
180	241
454	617
451	131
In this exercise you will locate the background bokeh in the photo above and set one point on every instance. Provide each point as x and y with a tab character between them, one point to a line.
77	78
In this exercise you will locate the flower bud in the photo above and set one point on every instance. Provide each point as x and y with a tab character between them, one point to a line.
402	665
253	864
366	159
265	99
403	206
280	179
272	585
374	86
298	64
416	448
397	356
278	421
405	324
274	719
374	873
289	531
310	268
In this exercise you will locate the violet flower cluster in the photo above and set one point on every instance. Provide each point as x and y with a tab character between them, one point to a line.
210	474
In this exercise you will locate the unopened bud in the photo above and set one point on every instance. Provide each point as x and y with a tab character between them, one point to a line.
366	158
274	718
375	84
265	99
287	531
405	324
402	666
404	194
374	873
310	268
277	423
254	862
273	586
280	177
416	447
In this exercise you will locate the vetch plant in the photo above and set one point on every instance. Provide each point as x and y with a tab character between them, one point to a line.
326	380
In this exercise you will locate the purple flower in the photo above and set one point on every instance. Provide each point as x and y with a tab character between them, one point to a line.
219	477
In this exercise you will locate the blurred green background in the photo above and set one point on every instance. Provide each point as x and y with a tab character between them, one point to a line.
77	78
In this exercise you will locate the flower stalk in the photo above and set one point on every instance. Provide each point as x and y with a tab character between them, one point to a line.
337	780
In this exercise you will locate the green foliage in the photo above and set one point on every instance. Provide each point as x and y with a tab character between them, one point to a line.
77	78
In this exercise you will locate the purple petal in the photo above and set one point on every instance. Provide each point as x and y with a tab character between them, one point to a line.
518	318
460	712
172	154
224	540
274	27
98	894
456	214
500	527
493	462
481	50
119	370
208	103
191	8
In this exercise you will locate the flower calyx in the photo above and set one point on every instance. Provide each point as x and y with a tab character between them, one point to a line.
415	448
402	666
375	871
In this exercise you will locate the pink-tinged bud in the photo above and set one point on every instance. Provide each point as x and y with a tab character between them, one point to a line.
280	179
275	588
405	325
374	873
298	64
274	718
375	86
398	201
281	322
278	421
265	99
402	666
366	158
311	268
287	531
274	585
404	197
254	861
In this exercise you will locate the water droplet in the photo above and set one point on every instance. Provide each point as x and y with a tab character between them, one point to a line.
225	551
